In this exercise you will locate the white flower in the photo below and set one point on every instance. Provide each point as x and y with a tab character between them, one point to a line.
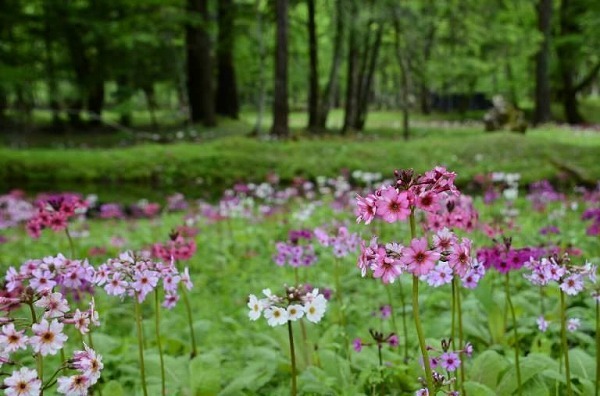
75	385
255	306
315	308
24	382
276	316
295	311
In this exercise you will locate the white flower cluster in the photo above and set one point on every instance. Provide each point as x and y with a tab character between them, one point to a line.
296	304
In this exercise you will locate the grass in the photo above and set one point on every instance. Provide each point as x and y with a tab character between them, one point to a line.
210	164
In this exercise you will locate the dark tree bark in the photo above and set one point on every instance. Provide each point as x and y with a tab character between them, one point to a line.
95	102
280	126
542	111
366	79
313	80
227	103
567	53
404	77
199	66
352	77
332	88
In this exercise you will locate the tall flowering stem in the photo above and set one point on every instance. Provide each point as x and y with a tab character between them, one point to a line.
158	343
460	336
188	309
70	242
39	359
563	337
342	318
138	321
597	347
292	357
419	328
516	333
404	326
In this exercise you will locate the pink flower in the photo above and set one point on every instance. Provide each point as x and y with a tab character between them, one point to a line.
366	208
542	324
573	324
89	363
386	268
450	361
572	285
54	304
23	382
144	283
116	286
171	300
75	385
357	344
393	341
48	338
418	258
392	205
11	339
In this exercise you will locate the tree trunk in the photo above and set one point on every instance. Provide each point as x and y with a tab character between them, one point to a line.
226	96
313	83
95	102
543	112
404	78
352	78
261	94
199	66
567	52
280	126
366	79
332	88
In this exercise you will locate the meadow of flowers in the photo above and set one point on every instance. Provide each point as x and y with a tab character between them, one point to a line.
369	283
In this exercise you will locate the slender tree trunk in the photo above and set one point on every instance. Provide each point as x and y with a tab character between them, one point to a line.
50	66
367	79
404	78
313	84
226	96
95	102
280	126
352	77
567	53
260	100
199	66
543	112
331	90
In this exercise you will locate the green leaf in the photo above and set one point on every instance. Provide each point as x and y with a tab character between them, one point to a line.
487	368
477	389
113	388
531	365
205	374
582	365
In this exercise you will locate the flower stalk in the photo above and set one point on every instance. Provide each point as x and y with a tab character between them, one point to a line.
563	337
138	320
516	333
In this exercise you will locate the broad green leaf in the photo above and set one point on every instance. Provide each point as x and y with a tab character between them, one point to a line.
486	368
477	389
205	374
530	366
582	364
113	388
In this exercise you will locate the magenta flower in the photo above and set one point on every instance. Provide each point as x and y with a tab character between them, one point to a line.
366	208
417	257
450	361
392	205
357	344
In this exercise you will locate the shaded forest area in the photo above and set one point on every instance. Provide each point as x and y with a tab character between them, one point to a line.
91	64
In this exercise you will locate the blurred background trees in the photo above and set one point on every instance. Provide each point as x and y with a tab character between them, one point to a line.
86	64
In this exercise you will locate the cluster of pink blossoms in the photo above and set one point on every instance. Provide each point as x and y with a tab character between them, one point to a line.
570	278
455	212
55	212
297	251
177	248
395	203
295	303
437	264
343	242
130	275
72	276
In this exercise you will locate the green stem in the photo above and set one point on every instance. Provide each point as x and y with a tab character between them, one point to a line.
516	334
380	357
393	311
138	320
404	325
186	302
563	337
597	347
340	299
39	359
461	339
542	305
159	344
421	336
453	311
70	242
415	306
292	357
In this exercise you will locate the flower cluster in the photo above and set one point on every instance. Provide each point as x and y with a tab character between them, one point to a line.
592	214
504	257
455	212
72	276
177	248
88	365
295	303
541	193
570	278
343	242
297	251
447	361
130	275
14	209
436	264
395	203
572	324
54	212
